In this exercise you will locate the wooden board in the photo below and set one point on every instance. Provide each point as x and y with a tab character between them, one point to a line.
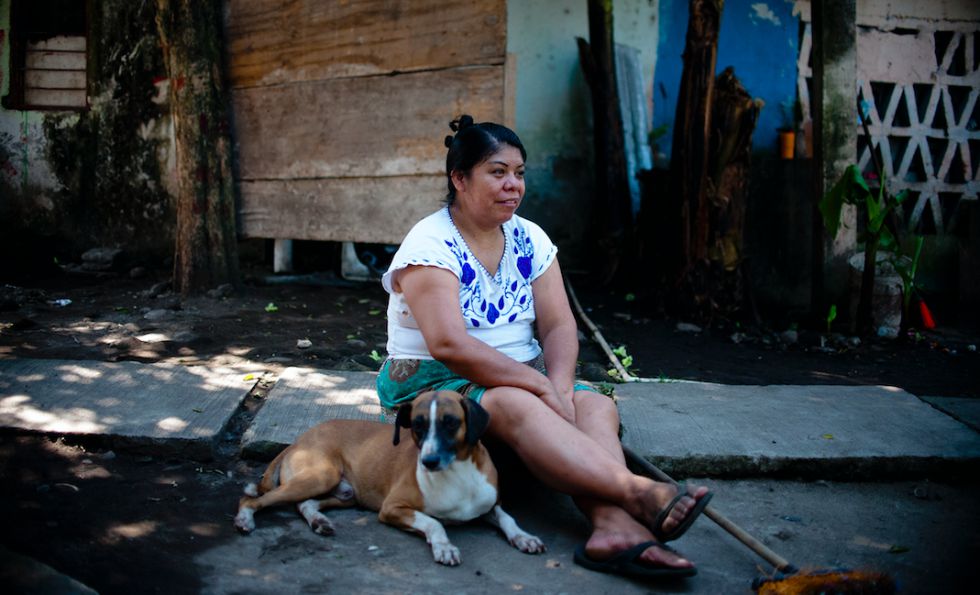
377	210
370	126
284	41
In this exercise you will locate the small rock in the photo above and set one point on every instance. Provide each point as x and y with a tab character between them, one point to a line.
169	302
593	372
854	341
156	289
304	344
101	259
971	348
185	336
278	359
356	344
789	337
137	272
737	338
158	314
687	327
783	535
221	291
887	332
108	455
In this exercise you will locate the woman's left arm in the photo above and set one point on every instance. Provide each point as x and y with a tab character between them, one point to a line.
557	329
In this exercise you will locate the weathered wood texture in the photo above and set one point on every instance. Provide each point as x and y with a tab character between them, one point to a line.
360	127
340	209
341	109
286	41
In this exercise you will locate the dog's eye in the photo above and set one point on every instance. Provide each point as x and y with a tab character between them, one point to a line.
419	425
451	423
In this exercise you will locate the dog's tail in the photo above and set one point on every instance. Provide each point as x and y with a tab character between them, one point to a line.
270	479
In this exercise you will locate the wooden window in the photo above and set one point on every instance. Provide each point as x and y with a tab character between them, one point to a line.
48	55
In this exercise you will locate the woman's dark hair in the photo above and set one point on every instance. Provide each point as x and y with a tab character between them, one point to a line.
474	143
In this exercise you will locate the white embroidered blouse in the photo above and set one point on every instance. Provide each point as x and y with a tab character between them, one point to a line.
497	309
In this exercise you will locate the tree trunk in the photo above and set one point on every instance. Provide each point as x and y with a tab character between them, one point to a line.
692	126
192	36
613	208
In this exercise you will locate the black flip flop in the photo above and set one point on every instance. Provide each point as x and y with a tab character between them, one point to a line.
625	563
685	524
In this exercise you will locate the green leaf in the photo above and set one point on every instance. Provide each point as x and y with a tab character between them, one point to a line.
374	355
849	189
627	361
832	313
271	307
620	351
629	297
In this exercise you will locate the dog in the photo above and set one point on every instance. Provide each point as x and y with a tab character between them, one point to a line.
446	474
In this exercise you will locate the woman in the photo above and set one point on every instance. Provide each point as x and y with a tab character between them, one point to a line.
468	286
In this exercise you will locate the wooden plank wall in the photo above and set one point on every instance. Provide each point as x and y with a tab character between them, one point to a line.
341	108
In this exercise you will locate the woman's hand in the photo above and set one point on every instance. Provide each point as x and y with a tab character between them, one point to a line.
561	403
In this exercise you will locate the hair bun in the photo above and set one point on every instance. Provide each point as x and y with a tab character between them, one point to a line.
461	123
449	140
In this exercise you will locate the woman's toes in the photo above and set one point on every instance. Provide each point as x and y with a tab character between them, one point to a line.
659	556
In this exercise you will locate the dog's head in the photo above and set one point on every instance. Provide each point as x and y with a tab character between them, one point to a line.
444	425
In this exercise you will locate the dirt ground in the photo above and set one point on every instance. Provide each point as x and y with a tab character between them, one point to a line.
65	501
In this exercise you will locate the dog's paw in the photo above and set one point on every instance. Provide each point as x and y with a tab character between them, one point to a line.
245	521
527	543
251	490
321	525
445	553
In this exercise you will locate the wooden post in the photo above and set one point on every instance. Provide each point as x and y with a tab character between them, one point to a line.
613	205
692	125
192	36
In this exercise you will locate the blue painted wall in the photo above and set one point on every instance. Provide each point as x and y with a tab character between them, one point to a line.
759	38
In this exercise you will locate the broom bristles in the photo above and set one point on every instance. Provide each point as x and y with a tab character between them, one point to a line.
814	582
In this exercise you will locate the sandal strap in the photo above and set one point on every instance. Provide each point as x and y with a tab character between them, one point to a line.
631	553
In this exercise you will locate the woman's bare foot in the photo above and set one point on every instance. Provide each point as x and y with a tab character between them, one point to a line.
614	531
658	496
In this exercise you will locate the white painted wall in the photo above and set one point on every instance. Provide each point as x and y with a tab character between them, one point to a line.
553	111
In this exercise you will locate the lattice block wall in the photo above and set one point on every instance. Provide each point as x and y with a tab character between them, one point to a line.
918	84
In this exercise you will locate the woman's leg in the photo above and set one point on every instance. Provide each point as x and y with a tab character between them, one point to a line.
571	461
613	529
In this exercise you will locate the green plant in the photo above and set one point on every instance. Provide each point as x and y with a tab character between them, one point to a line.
877	207
907	267
831	315
624	358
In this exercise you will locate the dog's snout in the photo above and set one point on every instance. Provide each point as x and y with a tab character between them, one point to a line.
431	461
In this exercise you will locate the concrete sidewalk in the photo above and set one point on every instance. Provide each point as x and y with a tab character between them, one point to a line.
688	428
913	530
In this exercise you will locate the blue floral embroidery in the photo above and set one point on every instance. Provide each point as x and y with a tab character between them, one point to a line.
504	298
524	251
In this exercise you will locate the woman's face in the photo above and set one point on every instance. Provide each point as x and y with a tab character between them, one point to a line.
494	188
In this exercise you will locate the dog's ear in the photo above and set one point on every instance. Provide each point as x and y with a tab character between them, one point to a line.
402	420
477	420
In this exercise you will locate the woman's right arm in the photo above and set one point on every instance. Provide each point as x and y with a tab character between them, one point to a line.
432	295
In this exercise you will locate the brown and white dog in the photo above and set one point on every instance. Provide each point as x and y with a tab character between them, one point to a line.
446	474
